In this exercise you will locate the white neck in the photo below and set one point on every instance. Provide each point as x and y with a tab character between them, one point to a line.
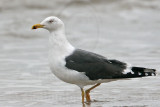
59	45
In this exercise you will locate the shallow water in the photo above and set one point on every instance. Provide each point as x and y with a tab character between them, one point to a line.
127	30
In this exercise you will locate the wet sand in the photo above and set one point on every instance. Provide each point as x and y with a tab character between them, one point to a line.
124	30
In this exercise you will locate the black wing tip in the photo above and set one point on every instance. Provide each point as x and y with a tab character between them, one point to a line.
144	71
151	72
138	72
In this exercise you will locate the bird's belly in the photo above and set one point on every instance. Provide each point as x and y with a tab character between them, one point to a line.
67	75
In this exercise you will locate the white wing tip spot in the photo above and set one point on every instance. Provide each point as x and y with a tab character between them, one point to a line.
146	74
139	73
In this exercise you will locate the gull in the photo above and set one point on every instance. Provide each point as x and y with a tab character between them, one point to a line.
81	67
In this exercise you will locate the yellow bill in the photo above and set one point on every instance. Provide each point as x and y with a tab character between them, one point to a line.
37	26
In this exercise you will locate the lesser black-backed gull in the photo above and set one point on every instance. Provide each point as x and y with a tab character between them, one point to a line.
81	67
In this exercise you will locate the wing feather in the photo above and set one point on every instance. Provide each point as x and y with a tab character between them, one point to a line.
93	65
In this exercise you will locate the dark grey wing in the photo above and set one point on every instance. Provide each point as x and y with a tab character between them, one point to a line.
94	65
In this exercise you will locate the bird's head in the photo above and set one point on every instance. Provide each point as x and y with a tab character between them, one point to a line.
51	23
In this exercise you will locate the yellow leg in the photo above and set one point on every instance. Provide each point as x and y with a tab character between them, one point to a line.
82	95
88	91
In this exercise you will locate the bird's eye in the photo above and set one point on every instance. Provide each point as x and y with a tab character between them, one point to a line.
50	21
